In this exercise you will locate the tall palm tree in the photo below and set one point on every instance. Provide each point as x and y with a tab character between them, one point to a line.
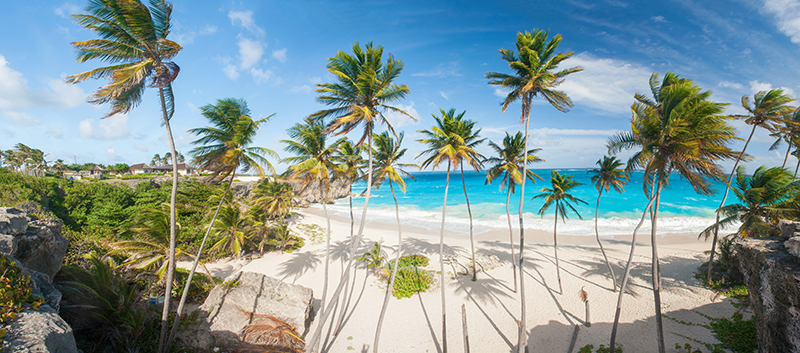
223	148
133	39
360	97
474	159
560	196
789	132
313	162
508	163
678	130
765	198
350	168
767	111
388	167
534	66
275	198
607	176
444	144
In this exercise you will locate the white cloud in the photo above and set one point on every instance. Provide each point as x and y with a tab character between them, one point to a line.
605	84
250	52
245	19
658	19
113	128
231	72
572	132
756	87
66	9
186	36
260	76
280	54
66	95
55	133
20	118
141	147
15	92
399	120
448	69
787	16
302	89
501	92
111	154
729	84
444	95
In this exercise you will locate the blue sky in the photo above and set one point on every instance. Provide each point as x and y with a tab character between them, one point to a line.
272	53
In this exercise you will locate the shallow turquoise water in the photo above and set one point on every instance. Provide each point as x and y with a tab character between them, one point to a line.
682	209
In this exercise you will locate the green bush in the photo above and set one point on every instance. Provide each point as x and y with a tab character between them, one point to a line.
602	349
410	280
15	294
414	260
198	290
736	334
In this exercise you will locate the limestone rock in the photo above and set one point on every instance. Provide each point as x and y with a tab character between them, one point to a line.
793	246
304	196
41	331
258	294
8	244
772	277
42	248
13	221
789	228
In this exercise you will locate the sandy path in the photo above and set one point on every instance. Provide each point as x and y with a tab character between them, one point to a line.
554	319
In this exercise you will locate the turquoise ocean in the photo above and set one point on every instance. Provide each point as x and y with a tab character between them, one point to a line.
682	211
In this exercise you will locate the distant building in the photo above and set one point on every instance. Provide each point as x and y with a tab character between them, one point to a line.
95	172
143	168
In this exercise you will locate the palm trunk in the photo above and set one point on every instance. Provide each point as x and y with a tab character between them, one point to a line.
555	250
185	294
394	271
522	335
511	236
797	167
657	271
626	276
344	296
172	219
597	234
323	193
315	338
786	157
469	210
719	210
441	262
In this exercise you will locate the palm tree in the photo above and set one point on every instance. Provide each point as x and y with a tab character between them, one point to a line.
156	161
133	39
607	176
149	249
766	197
362	93
534	68
559	194
789	132
313	162
679	129
388	167
223	148
275	198
475	159
767	111
508	163
233	229
445	144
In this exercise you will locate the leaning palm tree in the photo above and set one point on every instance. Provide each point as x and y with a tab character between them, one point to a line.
767	111
765	198
275	198
789	132
388	167
444	144
223	148
474	159
508	163
678	130
560	196
362	94
133	39
607	176
313	162
534	66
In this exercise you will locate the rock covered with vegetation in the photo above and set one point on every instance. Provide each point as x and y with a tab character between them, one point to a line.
772	276
245	298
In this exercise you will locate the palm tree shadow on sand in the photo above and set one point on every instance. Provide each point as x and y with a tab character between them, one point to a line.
298	265
418	246
486	291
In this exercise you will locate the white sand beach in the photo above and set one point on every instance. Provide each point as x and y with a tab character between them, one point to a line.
555	320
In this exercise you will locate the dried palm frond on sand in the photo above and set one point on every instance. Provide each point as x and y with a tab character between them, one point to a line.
267	333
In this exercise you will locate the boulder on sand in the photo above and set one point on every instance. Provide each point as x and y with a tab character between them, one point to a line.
228	305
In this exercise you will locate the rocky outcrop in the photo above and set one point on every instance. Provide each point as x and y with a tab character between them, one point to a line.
229	305
304	196
43	330
38	244
772	276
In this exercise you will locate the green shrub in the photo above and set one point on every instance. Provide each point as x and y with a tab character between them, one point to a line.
15	294
410	280
414	260
602	349
736	334
198	290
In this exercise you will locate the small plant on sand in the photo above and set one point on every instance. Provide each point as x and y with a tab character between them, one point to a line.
374	260
411	280
602	349
311	232
735	334
414	260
